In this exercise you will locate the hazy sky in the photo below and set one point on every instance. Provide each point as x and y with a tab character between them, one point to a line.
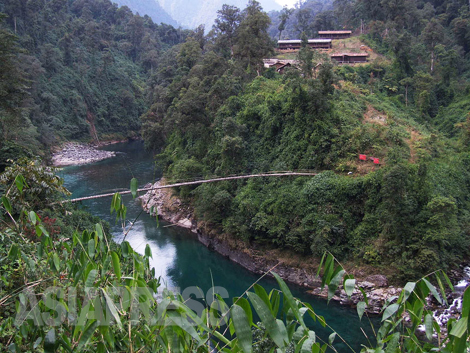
289	3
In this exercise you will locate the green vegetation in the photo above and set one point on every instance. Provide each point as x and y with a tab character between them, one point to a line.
74	290
75	70
71	69
411	210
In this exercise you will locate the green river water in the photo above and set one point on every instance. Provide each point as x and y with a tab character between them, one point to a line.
178	257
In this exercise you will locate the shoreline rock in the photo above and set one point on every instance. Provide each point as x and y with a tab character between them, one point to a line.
74	153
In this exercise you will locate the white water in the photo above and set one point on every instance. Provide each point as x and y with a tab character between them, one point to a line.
456	306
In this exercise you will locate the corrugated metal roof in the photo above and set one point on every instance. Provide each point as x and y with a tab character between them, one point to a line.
334	32
349	54
298	41
319	40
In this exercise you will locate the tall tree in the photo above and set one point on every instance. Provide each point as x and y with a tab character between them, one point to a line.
304	19
284	16
225	26
432	35
305	57
253	42
12	85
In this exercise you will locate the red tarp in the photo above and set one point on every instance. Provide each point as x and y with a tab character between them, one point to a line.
376	161
362	157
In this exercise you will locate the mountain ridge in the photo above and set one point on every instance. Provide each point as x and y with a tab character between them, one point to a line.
150	8
204	12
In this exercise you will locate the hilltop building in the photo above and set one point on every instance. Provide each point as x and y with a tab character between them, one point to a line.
296	44
334	34
279	65
349	58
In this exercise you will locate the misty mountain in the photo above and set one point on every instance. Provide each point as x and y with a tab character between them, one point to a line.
149	7
193	13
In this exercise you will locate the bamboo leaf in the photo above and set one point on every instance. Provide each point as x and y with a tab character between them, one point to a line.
222	338
460	327
6	203
116	264
90	280
334	283
349	285
242	302
441	287
242	328
148	251
33	217
99	230
125	248
50	341
389	311
134	185
433	291
268	319
261	292
328	271
392	344
20	183
91	248
56	260
449	282
407	290
364	295
13	252
308	343
112	308
290	299
331	338
321	263
466	303
428	326
89	331
275	299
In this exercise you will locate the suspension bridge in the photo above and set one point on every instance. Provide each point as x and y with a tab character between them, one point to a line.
196	182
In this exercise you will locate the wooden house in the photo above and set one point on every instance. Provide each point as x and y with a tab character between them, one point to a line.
296	44
334	34
349	58
279	65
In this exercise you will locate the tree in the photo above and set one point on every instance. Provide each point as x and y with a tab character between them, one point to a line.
407	82
189	54
284	16
252	41
225	26
13	87
432	35
305	57
40	186
304	19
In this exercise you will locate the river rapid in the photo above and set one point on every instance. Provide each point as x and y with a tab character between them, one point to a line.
182	262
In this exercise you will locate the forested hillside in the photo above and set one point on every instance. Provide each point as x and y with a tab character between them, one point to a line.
407	108
79	69
86	69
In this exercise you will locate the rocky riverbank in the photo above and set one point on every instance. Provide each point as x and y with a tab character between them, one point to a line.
171	209
73	153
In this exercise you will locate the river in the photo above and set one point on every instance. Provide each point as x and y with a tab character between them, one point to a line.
180	260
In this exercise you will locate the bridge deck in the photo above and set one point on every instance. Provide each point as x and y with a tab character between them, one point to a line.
203	181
